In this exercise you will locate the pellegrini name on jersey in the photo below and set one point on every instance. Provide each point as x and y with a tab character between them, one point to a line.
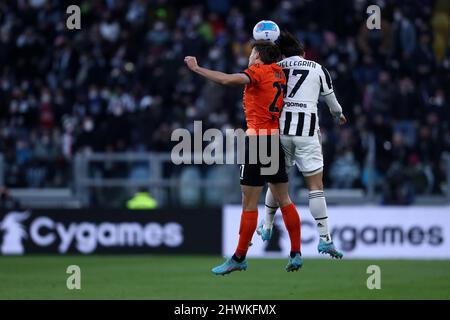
301	63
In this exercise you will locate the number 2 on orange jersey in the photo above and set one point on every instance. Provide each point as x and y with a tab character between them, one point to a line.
280	88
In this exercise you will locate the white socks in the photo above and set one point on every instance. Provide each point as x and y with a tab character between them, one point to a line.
271	209
318	208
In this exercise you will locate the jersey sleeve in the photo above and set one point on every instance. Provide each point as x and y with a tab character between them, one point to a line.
253	73
326	85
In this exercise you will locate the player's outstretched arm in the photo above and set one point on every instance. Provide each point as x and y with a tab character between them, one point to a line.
216	76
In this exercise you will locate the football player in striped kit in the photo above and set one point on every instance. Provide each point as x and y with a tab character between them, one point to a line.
299	126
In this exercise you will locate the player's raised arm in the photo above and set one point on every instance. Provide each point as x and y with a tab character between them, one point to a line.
216	76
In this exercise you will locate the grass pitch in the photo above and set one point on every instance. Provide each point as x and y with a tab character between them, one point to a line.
189	278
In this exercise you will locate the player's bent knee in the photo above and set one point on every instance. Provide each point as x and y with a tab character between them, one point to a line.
315	186
280	193
282	199
314	179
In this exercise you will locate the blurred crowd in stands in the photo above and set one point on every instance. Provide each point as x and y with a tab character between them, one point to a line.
119	83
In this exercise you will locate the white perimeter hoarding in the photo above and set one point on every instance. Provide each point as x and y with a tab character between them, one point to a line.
359	231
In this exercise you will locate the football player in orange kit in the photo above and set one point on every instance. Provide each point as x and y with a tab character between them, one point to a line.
264	84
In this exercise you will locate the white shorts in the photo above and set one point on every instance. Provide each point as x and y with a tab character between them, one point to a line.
305	152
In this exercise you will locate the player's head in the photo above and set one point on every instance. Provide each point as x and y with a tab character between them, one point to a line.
289	45
265	52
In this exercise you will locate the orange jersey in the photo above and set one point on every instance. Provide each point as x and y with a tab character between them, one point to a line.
263	97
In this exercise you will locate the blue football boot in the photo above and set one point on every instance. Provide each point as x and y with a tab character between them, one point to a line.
265	234
294	263
329	248
229	266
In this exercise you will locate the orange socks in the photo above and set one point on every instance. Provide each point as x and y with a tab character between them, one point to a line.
292	222
249	220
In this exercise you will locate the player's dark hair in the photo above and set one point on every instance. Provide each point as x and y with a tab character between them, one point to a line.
268	51
289	45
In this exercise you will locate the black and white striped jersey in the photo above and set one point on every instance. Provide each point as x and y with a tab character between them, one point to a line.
306	81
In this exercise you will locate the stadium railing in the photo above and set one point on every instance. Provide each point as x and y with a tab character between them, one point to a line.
184	185
198	188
